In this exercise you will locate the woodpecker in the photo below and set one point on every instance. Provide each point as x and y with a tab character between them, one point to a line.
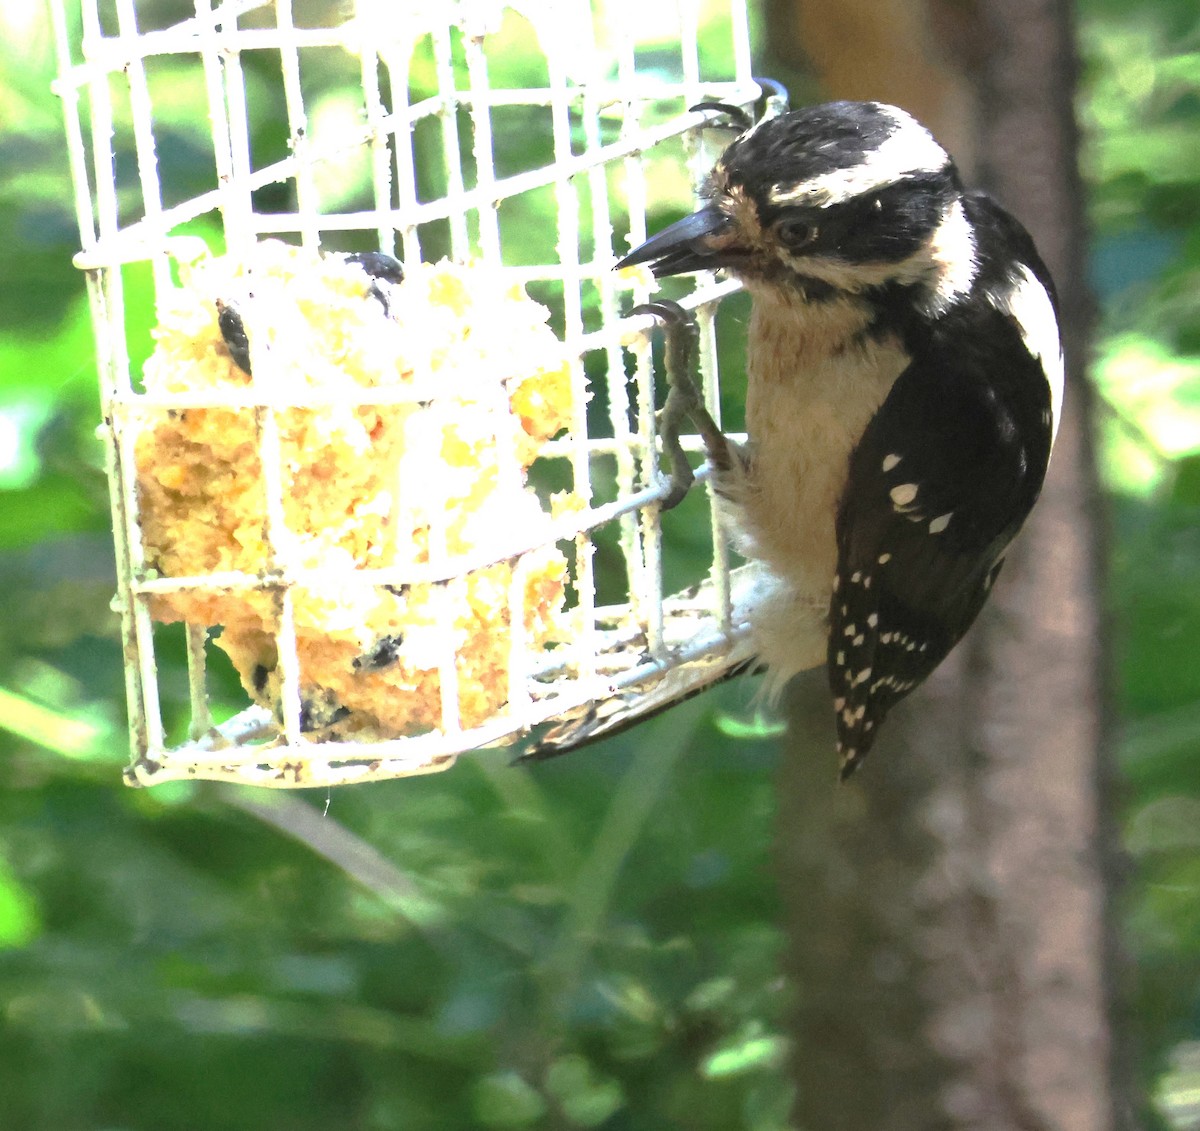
904	386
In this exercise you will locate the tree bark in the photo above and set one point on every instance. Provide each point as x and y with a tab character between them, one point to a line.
949	911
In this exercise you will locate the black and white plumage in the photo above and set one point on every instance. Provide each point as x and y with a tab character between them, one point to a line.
905	377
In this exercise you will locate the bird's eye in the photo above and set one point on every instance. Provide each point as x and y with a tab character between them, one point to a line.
796	234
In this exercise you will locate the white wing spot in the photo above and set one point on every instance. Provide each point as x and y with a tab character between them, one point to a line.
884	559
890	462
873	620
940	523
903	495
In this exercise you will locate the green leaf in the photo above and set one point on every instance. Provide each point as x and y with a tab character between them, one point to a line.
758	727
504	1099
711	995
43	364
49	506
19	920
68	732
586	1097
751	1050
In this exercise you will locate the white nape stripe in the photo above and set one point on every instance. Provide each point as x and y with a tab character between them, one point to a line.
952	250
908	151
1028	303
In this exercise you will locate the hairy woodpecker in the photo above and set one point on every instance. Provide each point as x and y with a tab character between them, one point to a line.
905	379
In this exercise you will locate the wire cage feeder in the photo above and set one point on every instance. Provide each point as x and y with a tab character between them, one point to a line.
517	139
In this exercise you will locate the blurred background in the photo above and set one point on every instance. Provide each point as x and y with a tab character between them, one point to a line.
597	941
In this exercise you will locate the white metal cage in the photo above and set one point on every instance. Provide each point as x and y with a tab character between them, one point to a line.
398	129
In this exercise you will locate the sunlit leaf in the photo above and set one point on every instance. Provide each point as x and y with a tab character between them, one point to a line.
751	1051
19	920
757	726
66	734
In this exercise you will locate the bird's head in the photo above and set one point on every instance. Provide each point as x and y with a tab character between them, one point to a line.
831	199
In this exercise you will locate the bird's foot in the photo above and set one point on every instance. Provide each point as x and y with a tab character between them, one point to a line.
684	401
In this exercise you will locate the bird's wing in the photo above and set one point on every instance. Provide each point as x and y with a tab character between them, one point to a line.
942	479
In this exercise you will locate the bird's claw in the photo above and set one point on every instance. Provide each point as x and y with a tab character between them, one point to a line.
771	102
774	97
683	400
739	117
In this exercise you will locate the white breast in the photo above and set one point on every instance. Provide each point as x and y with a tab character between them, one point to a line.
812	389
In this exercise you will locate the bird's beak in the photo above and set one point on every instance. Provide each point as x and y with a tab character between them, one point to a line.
686	245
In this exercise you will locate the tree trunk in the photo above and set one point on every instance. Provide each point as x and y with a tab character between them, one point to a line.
949	911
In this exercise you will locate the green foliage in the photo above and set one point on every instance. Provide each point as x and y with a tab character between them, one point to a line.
588	943
1141	99
577	945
